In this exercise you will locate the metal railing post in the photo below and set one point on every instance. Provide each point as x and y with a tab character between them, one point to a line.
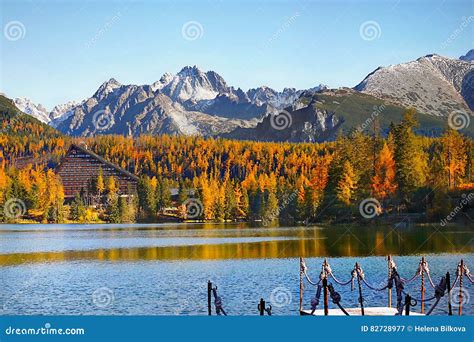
209	294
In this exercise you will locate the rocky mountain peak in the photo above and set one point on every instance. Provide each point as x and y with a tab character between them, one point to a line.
432	84
107	88
190	71
27	106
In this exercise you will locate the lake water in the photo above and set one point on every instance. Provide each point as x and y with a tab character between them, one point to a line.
164	269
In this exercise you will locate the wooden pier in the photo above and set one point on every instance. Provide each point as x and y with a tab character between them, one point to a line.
404	301
368	311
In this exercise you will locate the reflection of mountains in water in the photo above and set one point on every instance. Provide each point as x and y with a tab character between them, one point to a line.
332	242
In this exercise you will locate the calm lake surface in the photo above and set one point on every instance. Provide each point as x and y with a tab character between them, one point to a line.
163	269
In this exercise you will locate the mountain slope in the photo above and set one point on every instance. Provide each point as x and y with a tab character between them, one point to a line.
15	122
35	110
431	84
320	116
469	56
135	110
39	112
191	84
192	102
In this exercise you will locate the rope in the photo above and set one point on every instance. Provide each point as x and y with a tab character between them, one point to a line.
361	275
406	281
218	303
421	300
430	280
455	281
465	271
399	287
267	310
422	266
315	299
304	269
373	287
439	292
432	307
343	283
310	281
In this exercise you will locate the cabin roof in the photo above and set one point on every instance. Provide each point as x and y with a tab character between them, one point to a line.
102	160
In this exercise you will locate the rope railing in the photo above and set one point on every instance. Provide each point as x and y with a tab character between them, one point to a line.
304	270
431	282
328	271
407	281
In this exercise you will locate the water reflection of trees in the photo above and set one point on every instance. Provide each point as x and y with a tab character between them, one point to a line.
335	242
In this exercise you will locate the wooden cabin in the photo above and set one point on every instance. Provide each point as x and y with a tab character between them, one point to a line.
80	167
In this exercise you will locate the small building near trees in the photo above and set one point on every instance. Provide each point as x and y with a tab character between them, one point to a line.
80	168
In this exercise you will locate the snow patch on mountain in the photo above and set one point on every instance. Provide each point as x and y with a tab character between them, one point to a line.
39	112
191	83
59	110
27	106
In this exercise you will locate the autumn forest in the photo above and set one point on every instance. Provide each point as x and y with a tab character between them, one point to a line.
402	172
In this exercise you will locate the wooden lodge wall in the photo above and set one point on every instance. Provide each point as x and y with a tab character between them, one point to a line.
80	167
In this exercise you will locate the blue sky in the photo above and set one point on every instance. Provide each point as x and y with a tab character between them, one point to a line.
68	48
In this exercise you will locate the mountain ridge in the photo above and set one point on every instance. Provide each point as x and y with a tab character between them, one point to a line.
194	102
432	84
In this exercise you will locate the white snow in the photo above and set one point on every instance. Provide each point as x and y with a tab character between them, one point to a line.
35	110
183	123
39	112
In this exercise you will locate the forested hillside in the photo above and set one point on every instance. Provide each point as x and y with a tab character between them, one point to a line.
243	180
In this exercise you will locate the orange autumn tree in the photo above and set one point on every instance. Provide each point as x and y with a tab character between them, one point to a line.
3	181
383	182
454	156
347	185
